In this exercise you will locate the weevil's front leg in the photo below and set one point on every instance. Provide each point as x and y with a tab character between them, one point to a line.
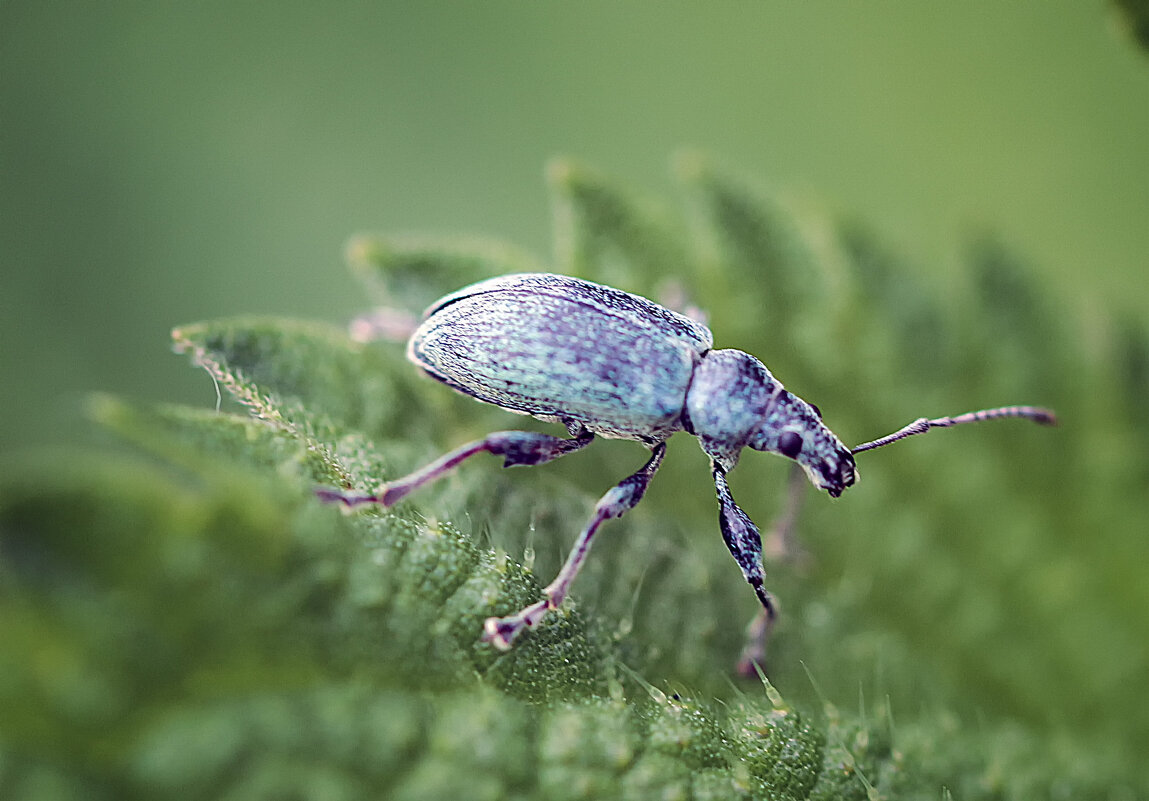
516	447
745	543
501	631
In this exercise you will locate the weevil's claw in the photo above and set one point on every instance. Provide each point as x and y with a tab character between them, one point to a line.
501	632
392	494
330	495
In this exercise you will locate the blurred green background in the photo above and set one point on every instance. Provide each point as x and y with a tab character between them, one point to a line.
162	163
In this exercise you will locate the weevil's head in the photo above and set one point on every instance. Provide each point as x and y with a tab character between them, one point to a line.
734	402
795	429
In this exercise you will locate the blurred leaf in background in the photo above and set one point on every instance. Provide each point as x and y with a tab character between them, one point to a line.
1136	16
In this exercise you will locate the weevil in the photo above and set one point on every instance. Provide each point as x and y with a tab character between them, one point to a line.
608	363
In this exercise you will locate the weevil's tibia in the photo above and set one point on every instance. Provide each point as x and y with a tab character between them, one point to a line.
516	447
745	543
502	631
924	424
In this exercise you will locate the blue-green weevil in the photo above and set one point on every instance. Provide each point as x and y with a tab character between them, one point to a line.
603	361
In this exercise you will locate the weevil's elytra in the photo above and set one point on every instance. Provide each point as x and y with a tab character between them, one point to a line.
565	350
605	362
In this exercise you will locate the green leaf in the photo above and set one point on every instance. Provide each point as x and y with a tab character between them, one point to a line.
188	620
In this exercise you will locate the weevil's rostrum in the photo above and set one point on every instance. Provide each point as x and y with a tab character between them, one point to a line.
605	362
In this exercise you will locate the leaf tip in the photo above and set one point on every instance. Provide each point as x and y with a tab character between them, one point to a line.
690	165
561	171
361	252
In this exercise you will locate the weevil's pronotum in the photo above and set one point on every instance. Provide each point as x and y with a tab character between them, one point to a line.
603	361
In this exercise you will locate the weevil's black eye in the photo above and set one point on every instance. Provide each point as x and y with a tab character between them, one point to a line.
817	411
790	444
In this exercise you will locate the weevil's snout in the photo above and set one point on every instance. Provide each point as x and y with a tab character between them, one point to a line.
830	468
794	429
837	473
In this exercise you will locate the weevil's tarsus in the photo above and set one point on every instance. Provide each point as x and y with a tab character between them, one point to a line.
924	424
516	447
348	499
502	631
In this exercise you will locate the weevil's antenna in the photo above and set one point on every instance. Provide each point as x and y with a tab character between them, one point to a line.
923	424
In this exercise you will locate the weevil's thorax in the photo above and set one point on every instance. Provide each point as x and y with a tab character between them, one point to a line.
794	428
729	395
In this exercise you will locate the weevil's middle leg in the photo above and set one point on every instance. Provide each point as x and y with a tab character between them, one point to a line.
501	631
745	543
516	448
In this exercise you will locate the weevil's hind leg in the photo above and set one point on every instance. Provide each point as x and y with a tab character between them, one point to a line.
516	447
501	631
745	544
780	543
